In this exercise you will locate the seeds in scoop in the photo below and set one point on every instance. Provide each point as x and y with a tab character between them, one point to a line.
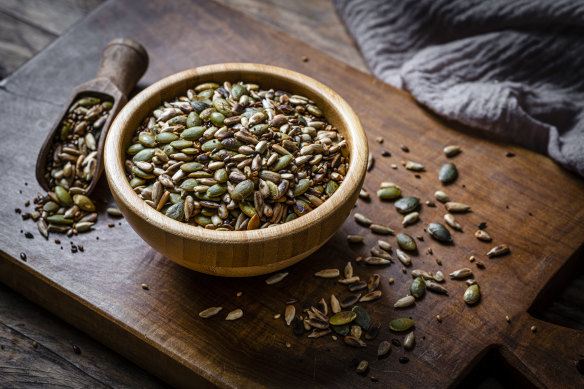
472	294
409	341
376	261
461	273
418	287
362	367
335	305
434	287
448	173
439	232
383	348
406	242
354	238
371	296
401	324
234	315
362	219
384	245
410	218
452	150
455	207
363	320
390	193
452	222
483	235
276	278
289	314
328	273
380	230
498	251
407	204
354	342
210	312
350	300
414	166
403	257
404	302
441	196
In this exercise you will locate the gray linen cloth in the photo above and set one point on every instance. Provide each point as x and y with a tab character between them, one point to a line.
513	67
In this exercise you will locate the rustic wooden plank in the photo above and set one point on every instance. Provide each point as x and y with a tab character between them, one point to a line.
99	291
53	360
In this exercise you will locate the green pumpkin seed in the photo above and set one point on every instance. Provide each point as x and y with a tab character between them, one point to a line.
406	242
59	219
401	324
134	149
212	145
247	208
193	133
190	167
301	207
407	204
290	217
242	190
107	105
439	232
342	330
342	318
202	220
63	196
472	294
221	175
363	320
88	101
222	106
383	348
216	190
181	144
331	187
418	287
390	193
205	86
217	119
193	120
282	163
51	206
176	211
144	155
237	91
136	182
302	187
189	184
146	139
448	173
65	131
141	173
166	137
84	203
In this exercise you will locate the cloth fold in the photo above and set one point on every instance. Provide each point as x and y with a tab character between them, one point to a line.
515	68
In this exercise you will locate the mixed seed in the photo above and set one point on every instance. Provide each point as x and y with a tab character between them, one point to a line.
236	157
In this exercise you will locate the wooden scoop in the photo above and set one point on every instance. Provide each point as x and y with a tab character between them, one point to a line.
123	62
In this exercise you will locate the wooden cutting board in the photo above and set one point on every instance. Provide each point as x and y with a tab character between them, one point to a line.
527	201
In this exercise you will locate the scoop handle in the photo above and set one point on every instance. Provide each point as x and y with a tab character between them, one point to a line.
123	62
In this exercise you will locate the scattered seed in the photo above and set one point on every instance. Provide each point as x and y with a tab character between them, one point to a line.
452	222
234	315
377	252
403	257
277	316
319	333
405	302
448	173
371	296
414	166
455	207
461	273
380	230
404	148
348	281
385	153
480	265
439	276
115	212
379	140
533	329
354	342
210	312
441	196
23	256
483	235
439	232
239	294
471	281
452	150
418	287
436	288
289	314
348	271
389	193
276	278
383	348
390	280
28	235
384	245
362	367
145	287
409	341
328	273
438	262
401	324
373	283
422	273
498	251
370	161
357	286
472	294
356	331
376	261
350	300
439	318
362	219
509	154
335	305
406	242
407	204
410	218
507	318
76	349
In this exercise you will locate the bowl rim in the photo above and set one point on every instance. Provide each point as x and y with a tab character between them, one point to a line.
114	155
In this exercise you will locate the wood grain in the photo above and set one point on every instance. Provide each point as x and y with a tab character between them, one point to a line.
100	292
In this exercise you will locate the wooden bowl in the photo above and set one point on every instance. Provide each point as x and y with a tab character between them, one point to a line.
236	253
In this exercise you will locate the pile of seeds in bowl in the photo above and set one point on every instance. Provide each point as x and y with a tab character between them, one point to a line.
236	157
70	168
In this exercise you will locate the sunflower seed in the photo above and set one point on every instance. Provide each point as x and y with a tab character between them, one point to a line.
335	305
362	367
362	219
441	196
350	300
328	273
483	235
410	218
348	271
472	294
405	302
373	283
455	207
452	150
115	212
234	315
319	333
461	273
451	221
210	312
403	257
381	230
348	281
364	194
498	251
322	307
377	261
401	324
414	166
434	287
289	314
357	286
318	323
422	273
384	245
439	276
276	278
354	342
377	252
370	161
355	238
356	332
409	341
371	296
383	348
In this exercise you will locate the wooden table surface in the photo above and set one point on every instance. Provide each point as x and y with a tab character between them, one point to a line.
343	48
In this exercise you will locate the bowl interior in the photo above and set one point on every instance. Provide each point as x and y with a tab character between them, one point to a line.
335	109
